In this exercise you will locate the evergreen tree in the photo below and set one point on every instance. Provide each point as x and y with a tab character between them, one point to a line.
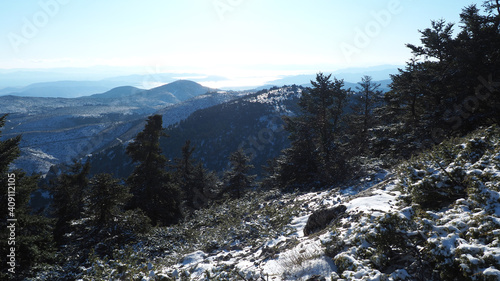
369	96
152	187
68	198
106	198
35	233
9	149
298	164
323	107
198	185
414	95
315	135
362	119
184	174
33	241
477	62
204	186
451	86
237	179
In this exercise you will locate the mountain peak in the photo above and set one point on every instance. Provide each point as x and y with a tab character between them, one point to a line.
119	92
181	89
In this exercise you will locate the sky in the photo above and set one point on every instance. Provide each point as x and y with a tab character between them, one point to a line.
245	39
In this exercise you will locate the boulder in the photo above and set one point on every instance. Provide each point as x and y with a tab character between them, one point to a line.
319	220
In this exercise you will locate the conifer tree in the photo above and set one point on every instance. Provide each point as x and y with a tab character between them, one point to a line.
362	119
68	197
106	198
9	148
369	96
451	86
298	164
205	186
315	151
151	185
34	235
237	178
184	174
196	183
323	107
33	232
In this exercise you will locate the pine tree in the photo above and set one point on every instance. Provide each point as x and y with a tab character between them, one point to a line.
152	187
105	200
237	180
33	232
204	186
184	174
451	86
9	149
298	164
198	185
68	198
477	59
315	136
362	119
323	107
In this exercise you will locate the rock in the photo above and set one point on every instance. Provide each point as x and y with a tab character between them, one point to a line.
322	218
227	257
316	278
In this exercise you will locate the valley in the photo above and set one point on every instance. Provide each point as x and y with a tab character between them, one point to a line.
60	130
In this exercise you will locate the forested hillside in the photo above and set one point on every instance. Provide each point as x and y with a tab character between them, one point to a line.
357	184
252	123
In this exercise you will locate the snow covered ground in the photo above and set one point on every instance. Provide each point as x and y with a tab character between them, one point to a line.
386	232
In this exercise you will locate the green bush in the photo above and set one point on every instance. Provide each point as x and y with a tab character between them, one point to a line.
438	177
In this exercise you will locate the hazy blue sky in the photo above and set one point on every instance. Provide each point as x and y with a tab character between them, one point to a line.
220	37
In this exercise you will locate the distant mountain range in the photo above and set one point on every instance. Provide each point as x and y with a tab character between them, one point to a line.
71	83
66	89
350	76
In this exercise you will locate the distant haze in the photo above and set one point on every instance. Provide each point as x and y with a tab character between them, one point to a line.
248	43
77	82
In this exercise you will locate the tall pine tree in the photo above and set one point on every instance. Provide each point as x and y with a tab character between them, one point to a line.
68	192
205	186
152	187
362	119
451	86
184	174
33	241
316	154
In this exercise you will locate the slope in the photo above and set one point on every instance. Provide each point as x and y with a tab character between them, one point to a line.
252	123
386	232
